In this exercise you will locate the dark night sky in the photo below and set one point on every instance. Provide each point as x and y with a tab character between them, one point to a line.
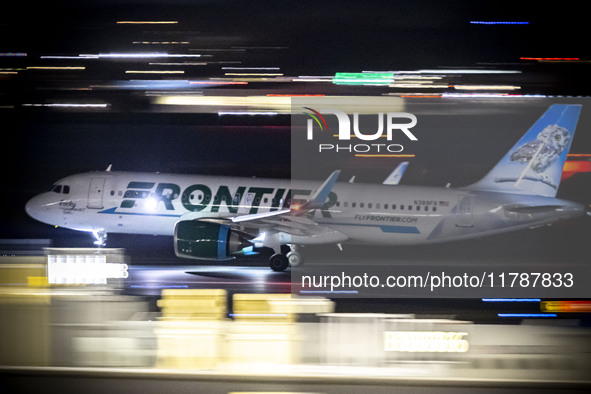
341	34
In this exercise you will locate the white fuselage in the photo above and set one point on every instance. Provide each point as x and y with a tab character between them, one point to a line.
152	203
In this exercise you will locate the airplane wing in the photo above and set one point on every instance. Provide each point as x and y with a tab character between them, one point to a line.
296	220
314	202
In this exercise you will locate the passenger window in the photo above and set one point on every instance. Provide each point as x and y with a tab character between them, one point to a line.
346	204
136	194
369	205
361	205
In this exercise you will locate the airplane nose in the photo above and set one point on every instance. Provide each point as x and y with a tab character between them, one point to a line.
30	207
33	207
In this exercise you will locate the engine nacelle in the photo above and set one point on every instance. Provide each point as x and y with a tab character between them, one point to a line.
195	239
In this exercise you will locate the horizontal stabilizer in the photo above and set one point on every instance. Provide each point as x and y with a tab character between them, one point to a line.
527	209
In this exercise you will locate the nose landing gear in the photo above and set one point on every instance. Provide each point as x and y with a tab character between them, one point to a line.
101	238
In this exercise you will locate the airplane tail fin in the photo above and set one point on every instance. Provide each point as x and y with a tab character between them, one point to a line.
534	165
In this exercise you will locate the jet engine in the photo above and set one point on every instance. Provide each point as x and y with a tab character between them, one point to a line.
196	239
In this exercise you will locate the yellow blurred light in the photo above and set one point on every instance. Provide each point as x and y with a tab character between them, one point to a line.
566	306
38	281
370	105
55	68
249	101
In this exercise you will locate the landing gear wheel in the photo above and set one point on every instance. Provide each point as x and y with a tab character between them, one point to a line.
278	262
295	259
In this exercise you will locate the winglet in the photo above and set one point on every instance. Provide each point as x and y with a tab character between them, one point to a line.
316	201
319	197
109	168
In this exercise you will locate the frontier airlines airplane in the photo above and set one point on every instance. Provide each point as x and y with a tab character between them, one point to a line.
220	218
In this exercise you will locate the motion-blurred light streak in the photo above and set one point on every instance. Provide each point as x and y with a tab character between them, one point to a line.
69	105
499	23
55	68
143	55
486	87
147	22
154	72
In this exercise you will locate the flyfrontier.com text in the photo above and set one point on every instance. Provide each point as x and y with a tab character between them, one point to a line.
434	281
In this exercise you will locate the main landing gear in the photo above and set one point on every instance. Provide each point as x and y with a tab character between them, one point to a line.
289	256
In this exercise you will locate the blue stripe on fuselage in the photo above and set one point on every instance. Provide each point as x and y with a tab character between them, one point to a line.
113	211
385	229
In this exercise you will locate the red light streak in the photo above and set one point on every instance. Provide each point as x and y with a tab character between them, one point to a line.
572	167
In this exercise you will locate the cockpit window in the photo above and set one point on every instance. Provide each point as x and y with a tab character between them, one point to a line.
61	189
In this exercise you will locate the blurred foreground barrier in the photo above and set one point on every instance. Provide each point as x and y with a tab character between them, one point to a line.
190	330
196	330
101	330
263	330
18	270
24	327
